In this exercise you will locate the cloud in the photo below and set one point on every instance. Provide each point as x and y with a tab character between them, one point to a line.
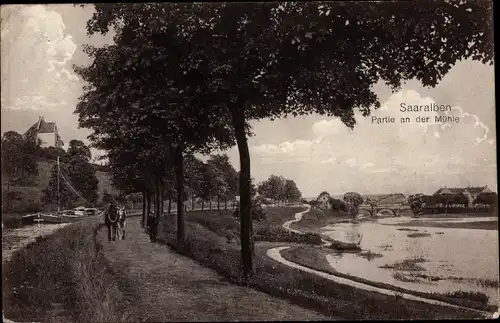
415	151
367	165
35	56
325	128
480	128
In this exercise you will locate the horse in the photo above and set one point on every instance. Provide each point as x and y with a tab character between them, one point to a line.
115	221
121	223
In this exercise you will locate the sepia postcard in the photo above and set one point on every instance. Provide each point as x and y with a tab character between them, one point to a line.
249	161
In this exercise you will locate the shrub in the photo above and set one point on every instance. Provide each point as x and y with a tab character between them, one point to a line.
257	212
274	233
31	207
23	181
478	297
338	205
11	220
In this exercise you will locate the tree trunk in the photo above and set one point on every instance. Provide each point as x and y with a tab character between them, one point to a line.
157	200
179	158
169	205
162	199
225	203
202	205
148	204
218	202
245	202
144	210
192	203
210	204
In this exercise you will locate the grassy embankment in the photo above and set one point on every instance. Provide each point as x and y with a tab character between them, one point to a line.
482	225
212	239
314	258
63	276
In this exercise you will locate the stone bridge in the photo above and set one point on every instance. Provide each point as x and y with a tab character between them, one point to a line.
391	210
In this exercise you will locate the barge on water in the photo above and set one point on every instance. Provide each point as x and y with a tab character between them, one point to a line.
68	216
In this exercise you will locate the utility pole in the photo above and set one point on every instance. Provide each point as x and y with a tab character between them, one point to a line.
58	207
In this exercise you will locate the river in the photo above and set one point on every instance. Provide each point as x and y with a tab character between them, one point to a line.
426	259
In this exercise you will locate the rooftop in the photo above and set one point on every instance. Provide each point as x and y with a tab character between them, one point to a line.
472	190
42	126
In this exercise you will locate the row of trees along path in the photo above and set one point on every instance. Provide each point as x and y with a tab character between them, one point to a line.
185	78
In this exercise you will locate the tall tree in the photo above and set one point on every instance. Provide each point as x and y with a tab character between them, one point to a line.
292	192
66	196
225	177
268	60
170	113
11	153
19	155
194	178
78	148
353	201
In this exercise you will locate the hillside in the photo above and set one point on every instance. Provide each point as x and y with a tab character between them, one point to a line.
41	181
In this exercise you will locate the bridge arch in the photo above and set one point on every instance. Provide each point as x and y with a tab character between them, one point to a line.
378	210
391	211
365	211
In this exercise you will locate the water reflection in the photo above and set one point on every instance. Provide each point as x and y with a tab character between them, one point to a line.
421	258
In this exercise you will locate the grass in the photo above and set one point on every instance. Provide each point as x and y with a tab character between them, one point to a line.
314	258
222	223
63	272
205	245
482	225
315	219
478	281
407	265
368	255
418	235
12	220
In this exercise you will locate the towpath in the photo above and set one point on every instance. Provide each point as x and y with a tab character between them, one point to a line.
161	285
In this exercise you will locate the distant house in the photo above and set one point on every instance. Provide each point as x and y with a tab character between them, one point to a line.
323	200
470	192
46	132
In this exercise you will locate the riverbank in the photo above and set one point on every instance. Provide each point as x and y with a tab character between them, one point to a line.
480	225
209	244
316	258
12	220
76	275
388	241
61	276
18	238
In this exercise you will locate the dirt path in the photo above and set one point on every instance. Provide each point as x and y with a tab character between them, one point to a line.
161	285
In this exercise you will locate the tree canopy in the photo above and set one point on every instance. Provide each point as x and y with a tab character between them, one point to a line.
235	62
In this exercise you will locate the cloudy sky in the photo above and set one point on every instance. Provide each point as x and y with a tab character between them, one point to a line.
41	42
